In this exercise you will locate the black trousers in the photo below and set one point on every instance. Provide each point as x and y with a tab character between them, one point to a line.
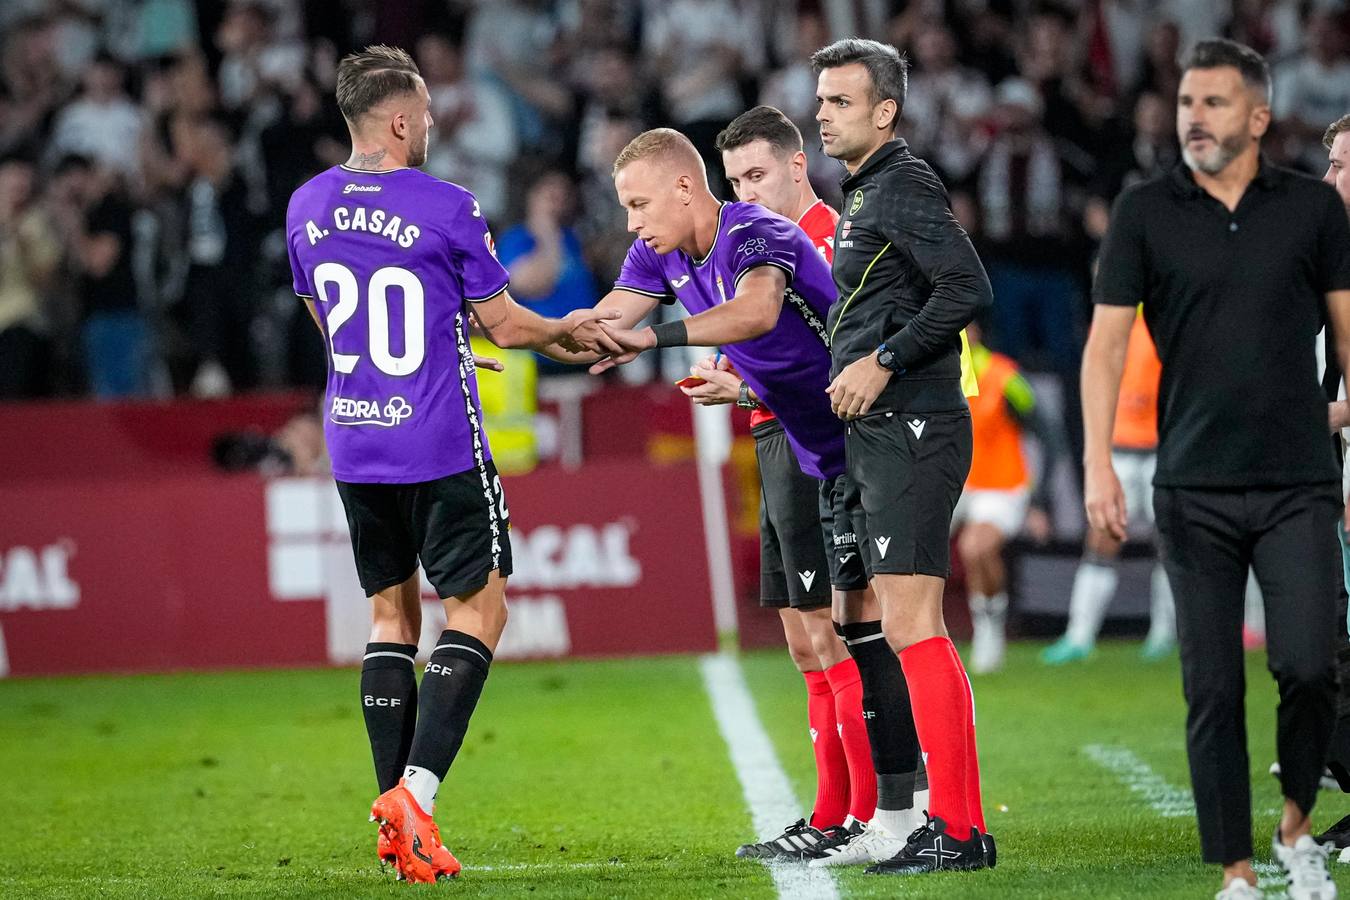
1210	538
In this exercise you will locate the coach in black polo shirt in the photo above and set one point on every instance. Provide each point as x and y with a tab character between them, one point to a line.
1237	264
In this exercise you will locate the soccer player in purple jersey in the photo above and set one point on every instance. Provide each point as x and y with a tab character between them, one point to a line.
392	263
755	284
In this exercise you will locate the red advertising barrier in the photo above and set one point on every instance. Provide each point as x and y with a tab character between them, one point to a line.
223	571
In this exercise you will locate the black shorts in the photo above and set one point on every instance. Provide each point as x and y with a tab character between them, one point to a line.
793	567
848	567
905	474
456	526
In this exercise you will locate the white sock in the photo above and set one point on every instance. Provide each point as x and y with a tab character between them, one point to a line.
1162	624
1254	615
898	823
423	785
1094	587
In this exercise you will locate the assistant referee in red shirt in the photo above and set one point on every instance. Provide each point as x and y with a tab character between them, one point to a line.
1238	264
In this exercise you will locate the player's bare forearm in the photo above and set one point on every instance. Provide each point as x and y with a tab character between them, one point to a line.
1103	368
753	312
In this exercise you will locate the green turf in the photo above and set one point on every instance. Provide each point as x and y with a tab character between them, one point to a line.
578	779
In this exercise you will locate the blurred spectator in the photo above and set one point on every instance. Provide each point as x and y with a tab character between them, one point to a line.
297	449
1313	89
511	44
545	257
102	123
945	106
474	139
219	301
31	88
792	89
254	57
1048	60
696	47
1026	237
29	255
94	216
1150	150
1160	71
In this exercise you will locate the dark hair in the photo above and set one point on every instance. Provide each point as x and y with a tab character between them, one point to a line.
1340	126
367	79
72	162
763	123
887	66
1219	52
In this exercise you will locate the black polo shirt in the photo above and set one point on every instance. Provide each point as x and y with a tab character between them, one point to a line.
1234	302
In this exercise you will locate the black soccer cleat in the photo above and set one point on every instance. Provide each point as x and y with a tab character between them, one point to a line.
931	849
1337	835
836	836
990	850
796	840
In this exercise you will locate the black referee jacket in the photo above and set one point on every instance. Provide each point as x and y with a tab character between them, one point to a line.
908	276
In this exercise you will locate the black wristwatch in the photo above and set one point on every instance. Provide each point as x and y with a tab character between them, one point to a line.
744	401
886	359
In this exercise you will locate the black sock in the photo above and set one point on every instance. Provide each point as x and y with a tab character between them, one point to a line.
451	683
389	704
886	711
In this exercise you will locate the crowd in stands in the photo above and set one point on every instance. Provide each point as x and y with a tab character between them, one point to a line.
148	149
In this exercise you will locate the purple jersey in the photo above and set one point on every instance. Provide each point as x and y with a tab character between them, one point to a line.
392	260
789	367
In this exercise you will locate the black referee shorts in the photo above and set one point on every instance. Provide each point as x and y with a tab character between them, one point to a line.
793	567
456	526
905	474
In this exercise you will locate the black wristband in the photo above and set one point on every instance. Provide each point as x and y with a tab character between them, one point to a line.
671	334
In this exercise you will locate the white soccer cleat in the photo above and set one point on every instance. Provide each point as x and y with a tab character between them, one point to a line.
871	846
1305	865
1239	889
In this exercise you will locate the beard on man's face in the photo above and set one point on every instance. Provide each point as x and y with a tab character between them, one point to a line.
1215	160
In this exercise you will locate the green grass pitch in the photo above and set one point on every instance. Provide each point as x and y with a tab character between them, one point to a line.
581	779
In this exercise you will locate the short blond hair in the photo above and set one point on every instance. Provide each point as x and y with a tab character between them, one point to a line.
1340	126
664	144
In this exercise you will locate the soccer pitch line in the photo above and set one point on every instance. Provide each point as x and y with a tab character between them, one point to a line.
1170	802
767	790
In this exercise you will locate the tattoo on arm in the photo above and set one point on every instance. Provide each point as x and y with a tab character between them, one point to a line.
367	160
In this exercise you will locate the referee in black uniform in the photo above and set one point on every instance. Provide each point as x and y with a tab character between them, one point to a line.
1238	264
909	280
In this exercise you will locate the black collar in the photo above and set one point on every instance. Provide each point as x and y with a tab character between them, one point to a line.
878	159
1183	181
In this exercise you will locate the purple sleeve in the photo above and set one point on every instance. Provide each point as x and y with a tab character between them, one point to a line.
641	273
766	242
474	255
299	279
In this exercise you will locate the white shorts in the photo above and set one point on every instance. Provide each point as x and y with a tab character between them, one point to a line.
1005	510
1135	471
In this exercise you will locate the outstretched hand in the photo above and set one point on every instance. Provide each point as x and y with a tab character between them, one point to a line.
583	330
621	345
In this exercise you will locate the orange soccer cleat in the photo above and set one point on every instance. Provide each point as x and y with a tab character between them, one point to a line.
413	837
384	849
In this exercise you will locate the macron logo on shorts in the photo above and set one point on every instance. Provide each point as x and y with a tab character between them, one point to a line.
808	579
884	543
916	426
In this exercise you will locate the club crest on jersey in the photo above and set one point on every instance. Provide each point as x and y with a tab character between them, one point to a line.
349	411
491	244
856	204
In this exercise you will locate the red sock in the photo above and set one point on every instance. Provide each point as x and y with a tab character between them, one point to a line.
831	764
937	693
973	799
862	777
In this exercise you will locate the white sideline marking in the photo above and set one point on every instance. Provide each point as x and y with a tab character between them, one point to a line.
1172	802
1166	800
767	790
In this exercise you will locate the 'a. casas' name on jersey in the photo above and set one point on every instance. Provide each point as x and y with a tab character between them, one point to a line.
371	221
348	411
